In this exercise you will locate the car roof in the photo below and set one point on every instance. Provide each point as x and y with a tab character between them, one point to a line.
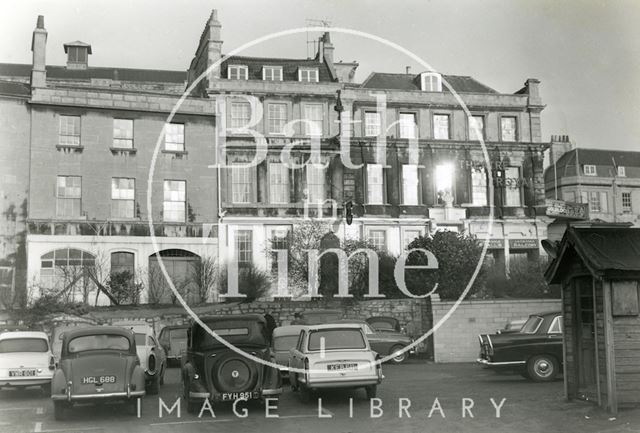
347	325
356	321
288	330
170	327
546	314
93	330
239	317
23	334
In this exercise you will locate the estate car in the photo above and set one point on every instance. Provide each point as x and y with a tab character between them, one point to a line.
97	363
333	356
26	360
535	351
212	370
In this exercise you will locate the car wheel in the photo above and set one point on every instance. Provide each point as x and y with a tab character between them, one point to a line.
132	406
164	368
401	355
371	391
306	394
154	386
293	381
542	368
60	410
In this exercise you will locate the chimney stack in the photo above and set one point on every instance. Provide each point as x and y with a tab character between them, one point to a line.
327	48
39	49
215	44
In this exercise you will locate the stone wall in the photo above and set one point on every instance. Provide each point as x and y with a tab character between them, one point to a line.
456	340
413	314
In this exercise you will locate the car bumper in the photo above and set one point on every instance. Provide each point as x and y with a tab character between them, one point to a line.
350	383
264	393
506	364
99	396
25	381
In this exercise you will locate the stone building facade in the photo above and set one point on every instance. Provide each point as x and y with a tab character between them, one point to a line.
398	150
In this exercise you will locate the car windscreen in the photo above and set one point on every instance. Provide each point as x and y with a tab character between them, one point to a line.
285	342
178	334
336	339
15	345
232	331
531	325
98	342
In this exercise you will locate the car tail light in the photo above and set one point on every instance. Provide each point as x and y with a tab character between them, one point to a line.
152	363
52	363
306	370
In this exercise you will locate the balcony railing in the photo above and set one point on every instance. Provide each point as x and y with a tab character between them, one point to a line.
121	228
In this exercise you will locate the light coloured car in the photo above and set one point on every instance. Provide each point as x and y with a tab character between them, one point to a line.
333	356
97	364
153	359
283	339
26	360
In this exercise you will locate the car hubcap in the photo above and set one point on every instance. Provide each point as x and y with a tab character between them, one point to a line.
543	368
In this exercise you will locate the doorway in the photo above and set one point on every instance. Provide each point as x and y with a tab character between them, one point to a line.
585	339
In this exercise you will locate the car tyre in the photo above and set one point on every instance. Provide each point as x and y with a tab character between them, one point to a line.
371	391
60	410
306	394
132	406
164	368
402	357
542	368
154	386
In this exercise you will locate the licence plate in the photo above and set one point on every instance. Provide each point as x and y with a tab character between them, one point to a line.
248	395
343	367
21	373
98	380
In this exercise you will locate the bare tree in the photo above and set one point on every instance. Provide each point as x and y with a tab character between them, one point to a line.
204	275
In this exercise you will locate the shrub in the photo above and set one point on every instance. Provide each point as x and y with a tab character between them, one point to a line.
253	282
526	280
124	288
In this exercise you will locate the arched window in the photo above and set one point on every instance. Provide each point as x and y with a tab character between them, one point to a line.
66	268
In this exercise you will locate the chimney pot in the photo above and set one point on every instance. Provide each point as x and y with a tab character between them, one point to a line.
40	24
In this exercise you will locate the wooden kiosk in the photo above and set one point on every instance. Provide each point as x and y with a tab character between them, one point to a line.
598	267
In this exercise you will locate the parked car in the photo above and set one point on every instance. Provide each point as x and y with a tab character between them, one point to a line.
152	359
283	340
385	324
334	356
318	317
535	351
385	343
97	363
173	339
60	328
211	370
26	360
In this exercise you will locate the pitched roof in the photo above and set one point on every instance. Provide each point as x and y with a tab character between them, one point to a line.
567	164
461	84
289	67
607	250
14	88
77	44
124	74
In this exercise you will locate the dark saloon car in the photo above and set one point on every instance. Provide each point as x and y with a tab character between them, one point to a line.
535	351
97	363
284	339
212	370
385	324
385	343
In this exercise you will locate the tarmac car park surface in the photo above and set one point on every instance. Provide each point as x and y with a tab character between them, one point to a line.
529	407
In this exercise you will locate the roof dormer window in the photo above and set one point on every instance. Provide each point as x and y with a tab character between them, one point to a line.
431	82
308	75
77	54
237	72
272	73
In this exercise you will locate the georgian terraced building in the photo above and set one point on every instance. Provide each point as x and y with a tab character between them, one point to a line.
83	139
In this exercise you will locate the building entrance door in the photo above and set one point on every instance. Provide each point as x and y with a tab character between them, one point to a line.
586	343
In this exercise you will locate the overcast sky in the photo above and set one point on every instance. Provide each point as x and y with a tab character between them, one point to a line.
586	53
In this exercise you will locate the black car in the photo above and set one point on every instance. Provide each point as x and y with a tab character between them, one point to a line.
385	343
212	370
535	351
